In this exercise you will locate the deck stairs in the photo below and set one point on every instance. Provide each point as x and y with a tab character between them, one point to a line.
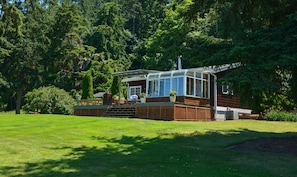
121	111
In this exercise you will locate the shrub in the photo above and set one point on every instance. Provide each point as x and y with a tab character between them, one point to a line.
277	115
115	86
87	88
49	100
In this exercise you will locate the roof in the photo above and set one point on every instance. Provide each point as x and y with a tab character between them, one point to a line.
217	68
99	94
134	72
140	74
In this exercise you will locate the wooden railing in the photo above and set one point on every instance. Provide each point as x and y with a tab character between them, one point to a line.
86	102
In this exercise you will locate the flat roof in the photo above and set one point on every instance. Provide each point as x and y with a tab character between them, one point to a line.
209	69
134	72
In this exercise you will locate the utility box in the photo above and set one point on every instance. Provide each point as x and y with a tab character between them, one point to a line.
231	115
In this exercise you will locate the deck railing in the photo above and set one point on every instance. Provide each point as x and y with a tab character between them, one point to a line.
86	102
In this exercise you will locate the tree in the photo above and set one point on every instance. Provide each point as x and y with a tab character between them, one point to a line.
259	35
67	54
115	86
109	35
102	75
87	88
20	58
167	42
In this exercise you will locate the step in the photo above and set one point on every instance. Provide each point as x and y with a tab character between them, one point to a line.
121	111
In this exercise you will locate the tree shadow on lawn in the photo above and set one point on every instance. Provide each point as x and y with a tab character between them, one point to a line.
194	154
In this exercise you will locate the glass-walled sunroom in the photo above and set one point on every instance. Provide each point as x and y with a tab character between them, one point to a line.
185	82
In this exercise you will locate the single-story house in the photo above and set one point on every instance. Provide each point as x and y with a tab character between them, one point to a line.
198	96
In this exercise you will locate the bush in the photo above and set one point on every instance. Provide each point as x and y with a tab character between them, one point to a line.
87	88
49	100
115	86
277	115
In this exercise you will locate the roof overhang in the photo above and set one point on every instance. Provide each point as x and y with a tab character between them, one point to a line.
132	73
136	78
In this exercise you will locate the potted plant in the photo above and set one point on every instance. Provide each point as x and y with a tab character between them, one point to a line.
142	97
172	95
78	96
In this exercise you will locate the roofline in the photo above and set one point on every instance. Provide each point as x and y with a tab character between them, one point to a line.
211	69
134	72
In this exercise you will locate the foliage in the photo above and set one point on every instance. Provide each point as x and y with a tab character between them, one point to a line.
172	93
109	35
49	100
115	86
68	54
167	42
252	35
87	87
142	95
278	115
56	42
102	73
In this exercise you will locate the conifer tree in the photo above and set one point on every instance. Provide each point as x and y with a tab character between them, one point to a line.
87	88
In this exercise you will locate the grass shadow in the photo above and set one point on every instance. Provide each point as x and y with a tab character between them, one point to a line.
195	154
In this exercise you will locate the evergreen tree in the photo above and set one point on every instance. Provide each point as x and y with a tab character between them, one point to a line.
109	35
23	48
87	88
67	54
115	86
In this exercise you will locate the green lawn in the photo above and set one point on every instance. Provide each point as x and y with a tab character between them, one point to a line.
55	145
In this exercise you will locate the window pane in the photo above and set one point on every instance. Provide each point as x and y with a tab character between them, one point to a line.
198	88
167	87
225	88
174	84
198	75
180	90
190	73
135	90
178	85
205	76
205	89
153	88
162	87
165	75
190	86
179	73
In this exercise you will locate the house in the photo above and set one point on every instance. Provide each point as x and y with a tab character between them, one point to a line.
198	97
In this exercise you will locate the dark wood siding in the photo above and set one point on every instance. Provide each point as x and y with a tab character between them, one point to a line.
137	83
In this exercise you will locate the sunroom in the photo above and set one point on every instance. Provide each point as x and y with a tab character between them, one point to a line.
190	83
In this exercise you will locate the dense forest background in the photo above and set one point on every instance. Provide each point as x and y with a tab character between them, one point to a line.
55	42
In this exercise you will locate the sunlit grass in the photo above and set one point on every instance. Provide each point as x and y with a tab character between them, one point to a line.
56	145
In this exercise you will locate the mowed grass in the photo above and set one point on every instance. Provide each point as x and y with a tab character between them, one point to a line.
56	145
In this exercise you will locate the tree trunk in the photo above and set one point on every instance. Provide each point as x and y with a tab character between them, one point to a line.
18	102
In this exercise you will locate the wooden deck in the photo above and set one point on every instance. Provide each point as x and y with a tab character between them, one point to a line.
174	111
153	110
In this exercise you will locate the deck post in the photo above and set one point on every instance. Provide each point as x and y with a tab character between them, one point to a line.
215	95
119	84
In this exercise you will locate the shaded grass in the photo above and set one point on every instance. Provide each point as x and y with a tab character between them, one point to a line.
55	145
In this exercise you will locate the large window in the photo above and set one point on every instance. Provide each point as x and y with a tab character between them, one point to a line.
164	87
153	88
198	85
134	90
184	82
